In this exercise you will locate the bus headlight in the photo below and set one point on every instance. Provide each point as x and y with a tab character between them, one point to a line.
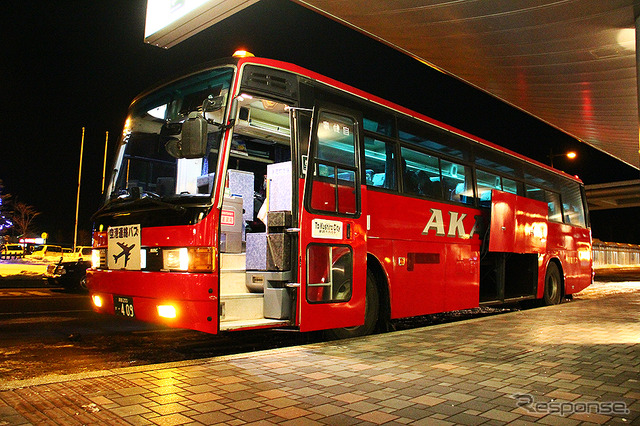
193	259
98	258
175	259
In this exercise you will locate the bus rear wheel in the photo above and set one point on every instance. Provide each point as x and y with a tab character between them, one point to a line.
552	286
371	310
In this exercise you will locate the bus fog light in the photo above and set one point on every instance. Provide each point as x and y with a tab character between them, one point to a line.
167	311
97	301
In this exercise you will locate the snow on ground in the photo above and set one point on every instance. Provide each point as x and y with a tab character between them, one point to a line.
23	268
600	289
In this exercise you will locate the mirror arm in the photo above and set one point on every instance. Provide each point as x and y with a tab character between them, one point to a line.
233	113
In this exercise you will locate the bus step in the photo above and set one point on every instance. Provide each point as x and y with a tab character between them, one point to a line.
249	324
241	307
233	261
233	282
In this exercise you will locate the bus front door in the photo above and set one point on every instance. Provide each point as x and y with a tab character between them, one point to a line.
332	226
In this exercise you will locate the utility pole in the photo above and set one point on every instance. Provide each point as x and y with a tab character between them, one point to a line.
104	165
75	235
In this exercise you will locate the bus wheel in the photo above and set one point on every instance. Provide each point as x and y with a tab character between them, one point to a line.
552	286
372	307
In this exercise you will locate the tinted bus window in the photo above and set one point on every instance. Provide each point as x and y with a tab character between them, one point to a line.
539	178
433	139
555	208
535	193
501	163
551	198
486	182
336	140
380	163
511	186
379	123
457	182
572	204
421	174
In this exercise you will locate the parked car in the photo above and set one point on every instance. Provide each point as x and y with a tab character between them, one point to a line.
46	252
10	251
82	253
70	274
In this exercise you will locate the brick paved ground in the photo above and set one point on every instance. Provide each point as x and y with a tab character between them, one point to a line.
460	373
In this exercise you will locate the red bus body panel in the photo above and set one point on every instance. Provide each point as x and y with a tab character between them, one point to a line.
518	224
430	273
571	246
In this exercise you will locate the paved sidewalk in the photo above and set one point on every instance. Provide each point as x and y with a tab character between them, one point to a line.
566	357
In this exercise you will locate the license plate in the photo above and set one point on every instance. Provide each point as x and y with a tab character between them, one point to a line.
123	305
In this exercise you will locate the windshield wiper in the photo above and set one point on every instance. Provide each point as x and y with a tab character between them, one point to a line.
130	199
157	200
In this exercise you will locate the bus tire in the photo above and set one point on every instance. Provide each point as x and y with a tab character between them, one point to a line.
371	310
552	286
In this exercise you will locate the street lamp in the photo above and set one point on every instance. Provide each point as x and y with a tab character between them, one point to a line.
570	155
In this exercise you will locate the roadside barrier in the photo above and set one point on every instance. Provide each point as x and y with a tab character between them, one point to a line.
615	254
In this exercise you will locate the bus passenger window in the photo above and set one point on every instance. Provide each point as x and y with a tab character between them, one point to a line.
380	163
534	193
421	174
572	203
486	182
458	185
555	208
511	186
551	198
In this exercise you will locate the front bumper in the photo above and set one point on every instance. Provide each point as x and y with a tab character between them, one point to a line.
194	296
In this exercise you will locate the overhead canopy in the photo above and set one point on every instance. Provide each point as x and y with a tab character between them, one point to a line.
613	195
571	63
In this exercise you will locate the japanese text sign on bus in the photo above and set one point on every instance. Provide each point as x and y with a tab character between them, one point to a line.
124	247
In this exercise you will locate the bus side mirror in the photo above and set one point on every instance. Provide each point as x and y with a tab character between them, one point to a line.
194	136
193	143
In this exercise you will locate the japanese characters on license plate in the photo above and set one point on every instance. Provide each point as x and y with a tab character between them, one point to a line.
123	305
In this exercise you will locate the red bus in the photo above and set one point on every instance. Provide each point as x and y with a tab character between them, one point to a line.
253	193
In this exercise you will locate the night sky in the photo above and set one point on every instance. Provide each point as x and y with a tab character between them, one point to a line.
72	64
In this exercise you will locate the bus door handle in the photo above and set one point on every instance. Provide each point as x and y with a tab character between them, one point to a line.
348	231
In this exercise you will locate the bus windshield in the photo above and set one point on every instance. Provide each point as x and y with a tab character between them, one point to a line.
144	165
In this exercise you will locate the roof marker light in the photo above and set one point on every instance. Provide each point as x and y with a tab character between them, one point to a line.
242	54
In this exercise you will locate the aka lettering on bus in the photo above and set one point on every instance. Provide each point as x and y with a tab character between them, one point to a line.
456	225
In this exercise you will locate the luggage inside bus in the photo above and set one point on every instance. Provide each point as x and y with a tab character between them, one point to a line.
256	219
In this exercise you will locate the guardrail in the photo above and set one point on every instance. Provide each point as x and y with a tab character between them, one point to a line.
615	254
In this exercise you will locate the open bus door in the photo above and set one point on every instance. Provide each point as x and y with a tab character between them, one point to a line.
333	225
